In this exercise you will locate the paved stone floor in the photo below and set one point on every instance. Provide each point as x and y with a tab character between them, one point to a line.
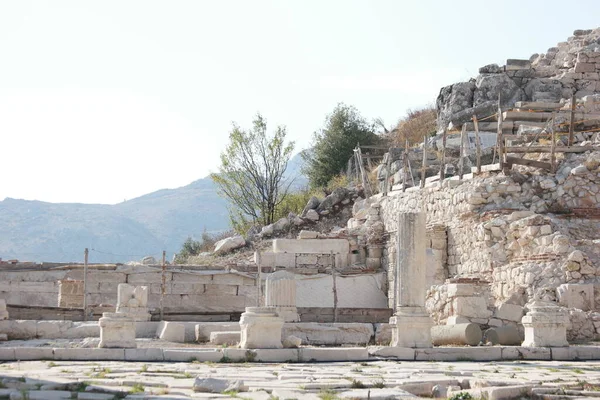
375	379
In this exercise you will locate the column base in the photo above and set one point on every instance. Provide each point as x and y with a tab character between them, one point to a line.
411	327
260	328
289	314
545	327
116	331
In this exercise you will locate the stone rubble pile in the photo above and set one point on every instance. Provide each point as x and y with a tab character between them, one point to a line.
572	67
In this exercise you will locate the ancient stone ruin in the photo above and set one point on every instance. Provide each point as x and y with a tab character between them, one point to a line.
456	259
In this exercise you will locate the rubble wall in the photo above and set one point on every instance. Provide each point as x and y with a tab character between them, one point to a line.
520	232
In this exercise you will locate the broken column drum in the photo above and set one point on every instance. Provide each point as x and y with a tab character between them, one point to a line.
116	331
281	294
545	326
133	301
411	325
261	328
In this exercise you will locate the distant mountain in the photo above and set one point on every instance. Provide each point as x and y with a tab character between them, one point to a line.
162	220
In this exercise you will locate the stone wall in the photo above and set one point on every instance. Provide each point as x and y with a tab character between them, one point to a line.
518	233
200	291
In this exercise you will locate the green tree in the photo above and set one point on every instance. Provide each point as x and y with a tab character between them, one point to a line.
251	174
333	146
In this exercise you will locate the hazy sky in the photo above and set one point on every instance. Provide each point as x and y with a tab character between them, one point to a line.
102	101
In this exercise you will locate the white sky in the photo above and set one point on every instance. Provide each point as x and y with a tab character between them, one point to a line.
102	101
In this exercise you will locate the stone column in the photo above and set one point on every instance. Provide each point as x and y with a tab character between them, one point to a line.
281	294
545	326
411	325
261	328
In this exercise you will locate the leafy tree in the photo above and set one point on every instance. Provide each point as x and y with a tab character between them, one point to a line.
251	174
334	144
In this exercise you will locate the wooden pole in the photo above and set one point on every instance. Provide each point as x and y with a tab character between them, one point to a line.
552	144
424	164
335	296
404	169
85	273
388	164
259	282
163	286
461	160
571	120
443	160
500	139
477	143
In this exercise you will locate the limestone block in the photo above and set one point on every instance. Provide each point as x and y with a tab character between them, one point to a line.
203	330
227	338
579	296
312	354
461	334
400	353
510	312
3	312
261	328
471	307
116	331
411	328
330	334
545	326
215	385
457	319
171	332
228	244
462	289
339	247
291	342
304	234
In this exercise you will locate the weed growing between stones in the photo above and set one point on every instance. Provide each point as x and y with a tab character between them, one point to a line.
137	388
356	384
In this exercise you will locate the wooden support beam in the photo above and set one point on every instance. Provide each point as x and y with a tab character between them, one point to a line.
530	163
424	164
443	158
548	149
572	120
461	160
477	143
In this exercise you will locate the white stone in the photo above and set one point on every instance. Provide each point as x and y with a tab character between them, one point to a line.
228	338
308	234
292	341
281	294
215	385
471	307
228	244
457	319
312	215
133	301
261	328
510	312
579	296
116	331
329	334
411	324
171	332
545	326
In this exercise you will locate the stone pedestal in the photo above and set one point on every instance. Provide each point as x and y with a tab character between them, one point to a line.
3	312
133	301
545	326
281	294
117	331
411	325
261	328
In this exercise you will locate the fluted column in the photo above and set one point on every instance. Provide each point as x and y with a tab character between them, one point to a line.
281	294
